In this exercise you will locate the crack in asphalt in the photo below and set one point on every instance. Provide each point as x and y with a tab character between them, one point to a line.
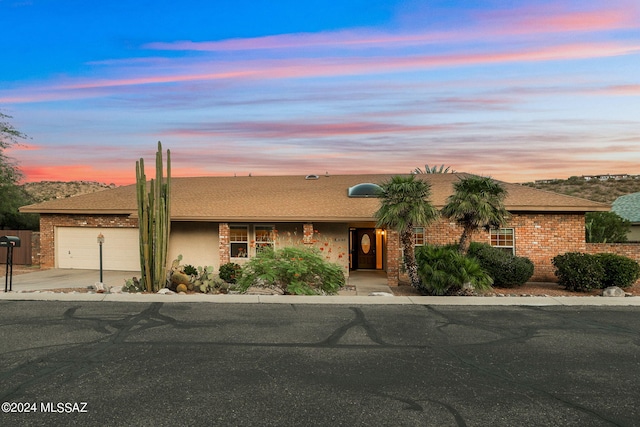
491	370
118	330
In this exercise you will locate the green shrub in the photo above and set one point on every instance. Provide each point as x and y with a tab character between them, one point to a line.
578	272
505	269
189	270
230	272
445	271
618	270
133	285
298	271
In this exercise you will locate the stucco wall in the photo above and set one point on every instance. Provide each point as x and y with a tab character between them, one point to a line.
197	242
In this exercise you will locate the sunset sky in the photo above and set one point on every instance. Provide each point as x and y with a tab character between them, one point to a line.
518	89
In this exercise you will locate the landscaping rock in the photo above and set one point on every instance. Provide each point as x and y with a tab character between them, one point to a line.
256	290
98	287
115	289
380	294
166	291
613	291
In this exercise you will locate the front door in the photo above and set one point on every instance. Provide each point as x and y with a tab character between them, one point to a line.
366	243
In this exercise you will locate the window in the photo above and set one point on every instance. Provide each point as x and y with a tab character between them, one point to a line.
418	236
503	239
239	240
265	237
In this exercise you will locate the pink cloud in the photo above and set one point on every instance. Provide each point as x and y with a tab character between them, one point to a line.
325	67
280	130
624	90
551	20
511	22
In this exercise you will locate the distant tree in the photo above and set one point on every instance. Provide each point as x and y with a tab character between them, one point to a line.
12	196
433	169
477	202
606	227
404	204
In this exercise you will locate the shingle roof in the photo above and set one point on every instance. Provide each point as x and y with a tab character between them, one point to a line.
291	198
628	207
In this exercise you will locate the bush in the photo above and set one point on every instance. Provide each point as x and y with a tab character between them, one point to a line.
445	271
298	271
189	270
506	269
578	272
230	272
618	270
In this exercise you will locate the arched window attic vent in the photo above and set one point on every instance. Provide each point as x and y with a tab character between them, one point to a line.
365	189
311	177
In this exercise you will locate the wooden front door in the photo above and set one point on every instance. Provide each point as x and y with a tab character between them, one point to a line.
366	243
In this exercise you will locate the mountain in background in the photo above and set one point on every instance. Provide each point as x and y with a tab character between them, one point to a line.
49	190
599	188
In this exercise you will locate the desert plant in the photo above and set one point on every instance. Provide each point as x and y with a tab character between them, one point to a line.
618	270
154	222
230	272
189	270
445	271
477	202
433	169
505	269
133	285
204	280
578	272
298	271
404	204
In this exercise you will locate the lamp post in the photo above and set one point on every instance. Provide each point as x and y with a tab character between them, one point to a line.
100	242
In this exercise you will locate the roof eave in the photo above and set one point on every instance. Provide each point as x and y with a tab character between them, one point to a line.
549	209
78	211
279	219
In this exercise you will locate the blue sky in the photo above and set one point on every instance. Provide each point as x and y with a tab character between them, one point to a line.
518	90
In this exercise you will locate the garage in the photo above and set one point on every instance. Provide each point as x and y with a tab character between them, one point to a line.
77	247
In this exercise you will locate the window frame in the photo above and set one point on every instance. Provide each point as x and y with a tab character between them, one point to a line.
259	244
236	244
500	242
417	236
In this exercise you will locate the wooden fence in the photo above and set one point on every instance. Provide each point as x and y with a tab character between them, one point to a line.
21	255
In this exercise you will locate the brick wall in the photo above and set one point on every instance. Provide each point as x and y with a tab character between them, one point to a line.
630	250
224	235
393	258
48	222
539	237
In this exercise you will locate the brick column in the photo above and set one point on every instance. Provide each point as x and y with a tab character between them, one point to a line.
393	257
307	233
223	238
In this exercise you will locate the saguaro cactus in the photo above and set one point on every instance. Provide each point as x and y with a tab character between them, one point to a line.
154	219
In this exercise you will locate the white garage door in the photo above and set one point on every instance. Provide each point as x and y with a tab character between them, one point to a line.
77	247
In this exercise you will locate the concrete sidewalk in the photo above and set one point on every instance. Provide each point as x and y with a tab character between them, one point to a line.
34	286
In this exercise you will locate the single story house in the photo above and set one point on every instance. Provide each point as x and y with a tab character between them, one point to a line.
215	220
628	207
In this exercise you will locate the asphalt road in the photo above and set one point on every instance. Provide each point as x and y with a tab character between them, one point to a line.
156	364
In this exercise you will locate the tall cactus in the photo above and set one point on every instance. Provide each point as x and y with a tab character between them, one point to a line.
154	216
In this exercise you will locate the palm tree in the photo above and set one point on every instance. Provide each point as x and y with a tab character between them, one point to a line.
405	204
434	169
477	202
